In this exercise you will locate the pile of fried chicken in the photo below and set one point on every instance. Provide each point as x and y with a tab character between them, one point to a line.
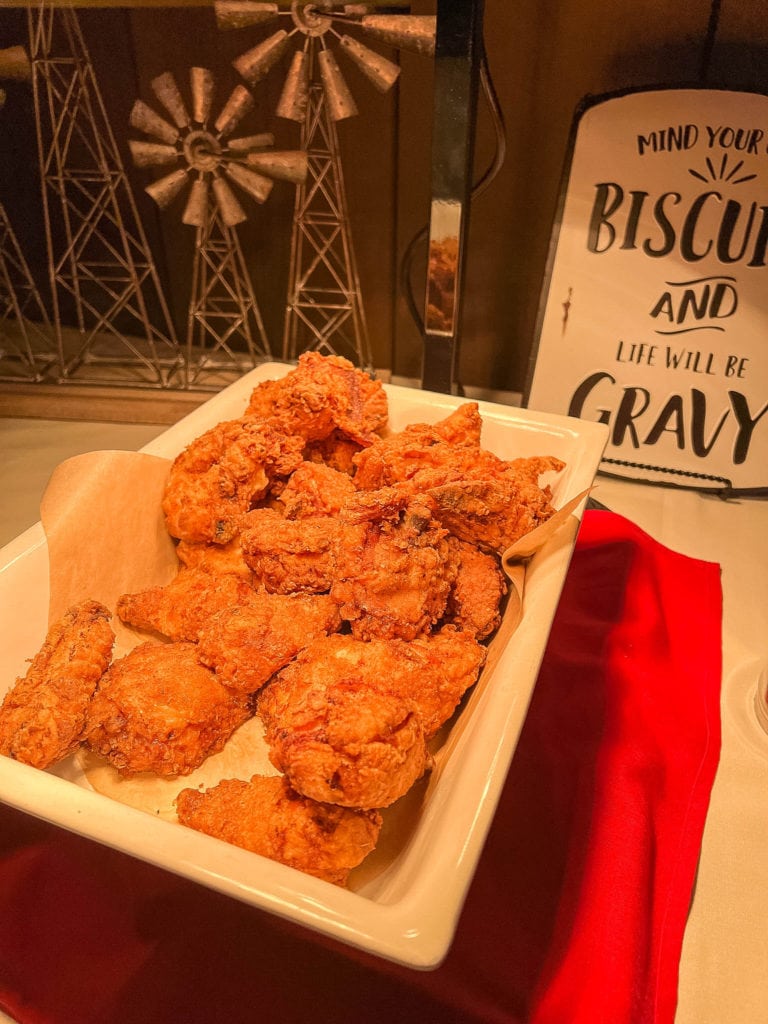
339	581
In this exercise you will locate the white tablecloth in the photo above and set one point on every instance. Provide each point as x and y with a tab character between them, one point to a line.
724	967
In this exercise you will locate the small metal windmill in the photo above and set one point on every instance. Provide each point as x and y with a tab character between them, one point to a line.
26	346
224	316
324	308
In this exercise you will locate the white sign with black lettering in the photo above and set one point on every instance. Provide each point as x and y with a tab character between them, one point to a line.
654	318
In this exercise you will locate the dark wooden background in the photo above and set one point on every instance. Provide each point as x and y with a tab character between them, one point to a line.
544	57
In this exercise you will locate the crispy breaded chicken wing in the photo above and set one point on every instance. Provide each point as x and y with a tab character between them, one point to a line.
321	395
159	710
181	608
401	456
492	514
246	645
43	716
267	817
474	603
478	497
394	570
428	456
222	474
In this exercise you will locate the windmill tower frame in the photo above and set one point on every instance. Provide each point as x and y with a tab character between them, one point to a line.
26	351
100	262
26	347
222	305
324	284
324	293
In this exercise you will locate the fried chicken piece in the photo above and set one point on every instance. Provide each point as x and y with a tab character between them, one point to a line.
491	514
181	608
453	441
474	603
335	451
290	556
394	571
479	497
447	452
246	645
339	743
315	489
267	817
221	475
223	559
321	395
462	427
159	710
347	720
43	716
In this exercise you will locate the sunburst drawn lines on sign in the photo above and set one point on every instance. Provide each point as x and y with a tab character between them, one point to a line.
720	173
324	294
217	170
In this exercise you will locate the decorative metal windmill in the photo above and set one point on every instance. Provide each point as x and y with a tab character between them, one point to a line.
223	315
324	308
26	349
103	278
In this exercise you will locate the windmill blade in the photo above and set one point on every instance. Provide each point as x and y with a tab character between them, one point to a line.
256	185
250	142
165	190
242	13
144	119
337	94
294	98
166	90
196	210
231	211
254	64
414	32
15	64
235	109
202	85
152	154
378	69
286	165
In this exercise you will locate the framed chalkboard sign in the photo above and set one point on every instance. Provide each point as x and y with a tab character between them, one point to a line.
654	312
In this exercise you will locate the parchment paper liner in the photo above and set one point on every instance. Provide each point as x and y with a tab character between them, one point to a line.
106	537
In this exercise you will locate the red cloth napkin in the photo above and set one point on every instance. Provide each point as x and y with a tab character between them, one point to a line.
576	913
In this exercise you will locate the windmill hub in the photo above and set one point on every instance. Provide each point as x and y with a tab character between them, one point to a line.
202	150
307	19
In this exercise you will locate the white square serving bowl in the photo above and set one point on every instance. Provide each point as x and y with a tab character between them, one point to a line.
404	902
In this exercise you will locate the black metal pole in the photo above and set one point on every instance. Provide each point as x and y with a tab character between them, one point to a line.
458	54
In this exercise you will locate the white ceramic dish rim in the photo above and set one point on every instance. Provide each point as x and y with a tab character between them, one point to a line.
418	899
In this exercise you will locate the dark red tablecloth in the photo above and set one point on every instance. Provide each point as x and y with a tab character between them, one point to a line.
576	913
